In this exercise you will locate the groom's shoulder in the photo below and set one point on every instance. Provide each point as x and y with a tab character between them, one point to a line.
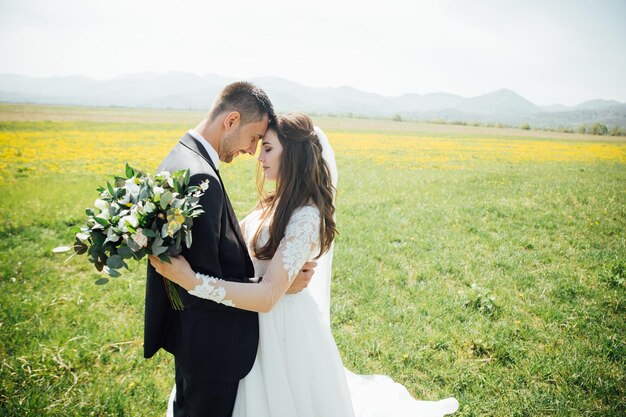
181	157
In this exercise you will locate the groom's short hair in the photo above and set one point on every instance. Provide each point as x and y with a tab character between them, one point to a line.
246	98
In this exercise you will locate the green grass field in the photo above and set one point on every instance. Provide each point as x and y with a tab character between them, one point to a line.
461	268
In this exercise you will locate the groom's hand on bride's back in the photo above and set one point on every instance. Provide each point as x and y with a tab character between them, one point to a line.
301	281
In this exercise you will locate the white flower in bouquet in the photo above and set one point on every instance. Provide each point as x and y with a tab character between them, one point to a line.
139	238
101	204
132	188
125	199
104	208
112	236
127	221
158	191
149	207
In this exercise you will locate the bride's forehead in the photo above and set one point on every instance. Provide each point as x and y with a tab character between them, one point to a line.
270	137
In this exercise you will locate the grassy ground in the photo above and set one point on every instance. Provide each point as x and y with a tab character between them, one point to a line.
488	264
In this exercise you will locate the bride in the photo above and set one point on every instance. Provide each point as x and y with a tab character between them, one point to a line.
298	370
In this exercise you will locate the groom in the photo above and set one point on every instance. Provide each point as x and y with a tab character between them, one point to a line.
214	346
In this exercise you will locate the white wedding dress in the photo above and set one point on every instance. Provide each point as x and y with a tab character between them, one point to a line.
298	370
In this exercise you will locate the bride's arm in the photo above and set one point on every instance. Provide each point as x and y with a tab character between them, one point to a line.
299	244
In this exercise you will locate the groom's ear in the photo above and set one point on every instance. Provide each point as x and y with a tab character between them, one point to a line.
231	120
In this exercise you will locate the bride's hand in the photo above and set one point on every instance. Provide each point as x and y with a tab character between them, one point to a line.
178	271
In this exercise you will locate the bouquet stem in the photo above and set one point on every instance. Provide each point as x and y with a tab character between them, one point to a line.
173	295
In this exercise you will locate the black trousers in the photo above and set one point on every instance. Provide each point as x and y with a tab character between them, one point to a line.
196	398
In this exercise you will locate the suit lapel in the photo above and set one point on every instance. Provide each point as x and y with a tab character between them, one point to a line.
233	220
190	142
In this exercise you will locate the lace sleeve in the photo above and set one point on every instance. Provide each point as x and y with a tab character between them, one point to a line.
300	243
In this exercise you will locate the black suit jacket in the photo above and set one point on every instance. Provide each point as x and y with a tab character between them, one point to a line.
210	341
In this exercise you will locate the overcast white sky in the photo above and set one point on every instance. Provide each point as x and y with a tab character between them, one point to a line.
561	51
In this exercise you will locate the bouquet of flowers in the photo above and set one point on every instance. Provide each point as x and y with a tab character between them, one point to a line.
140	215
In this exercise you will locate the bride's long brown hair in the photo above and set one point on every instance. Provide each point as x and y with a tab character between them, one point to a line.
303	179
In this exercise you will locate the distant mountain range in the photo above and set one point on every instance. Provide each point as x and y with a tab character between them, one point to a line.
180	90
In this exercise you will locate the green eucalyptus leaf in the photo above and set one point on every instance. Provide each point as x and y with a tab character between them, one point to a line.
115	262
158	250
188	238
139	254
61	249
157	247
149	233
134	246
125	252
74	229
114	273
94	252
102	221
99	265
196	213
144	193
175	249
80	247
166	199
177	203
98	237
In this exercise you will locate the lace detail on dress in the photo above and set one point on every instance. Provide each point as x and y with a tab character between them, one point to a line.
301	239
210	292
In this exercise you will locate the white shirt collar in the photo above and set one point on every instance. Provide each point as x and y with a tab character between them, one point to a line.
215	158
